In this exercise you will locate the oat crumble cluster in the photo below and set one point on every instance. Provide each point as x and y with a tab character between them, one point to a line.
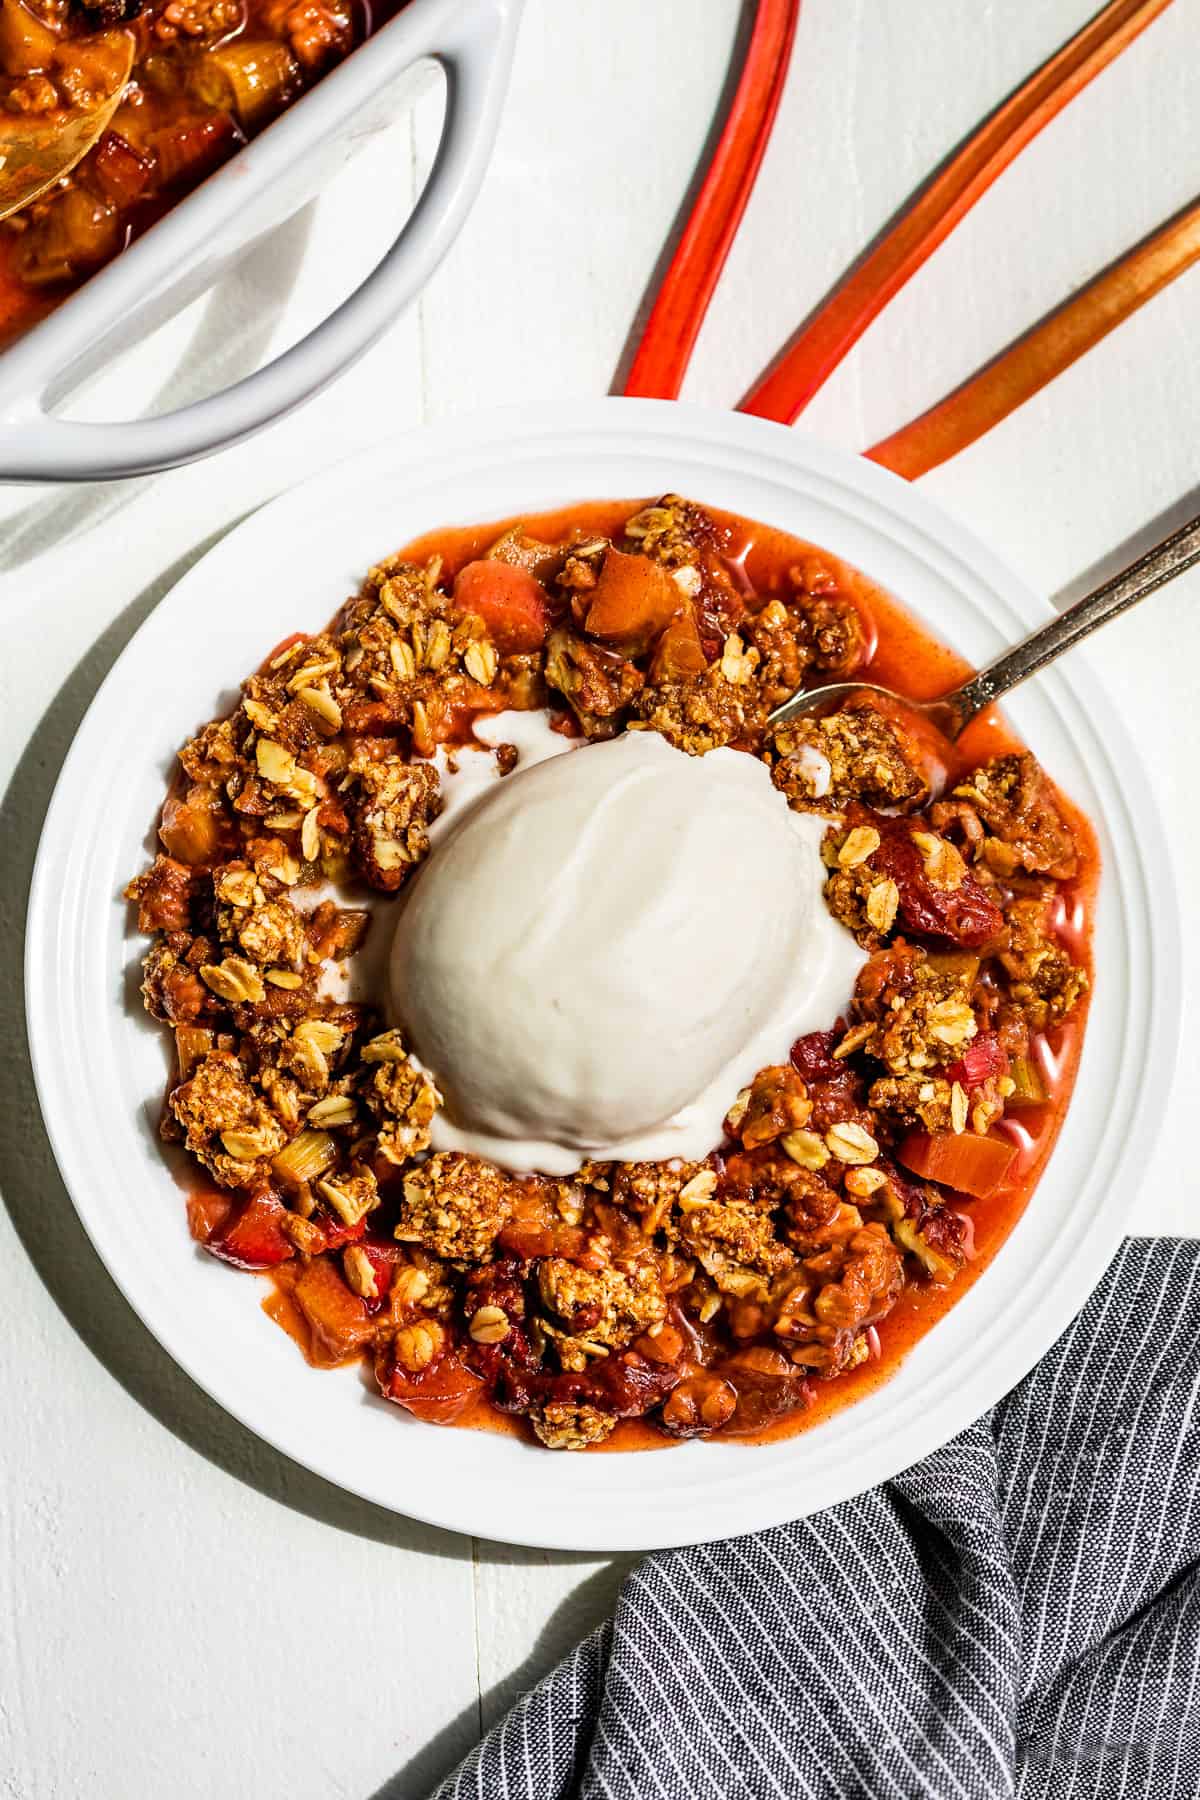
704	1297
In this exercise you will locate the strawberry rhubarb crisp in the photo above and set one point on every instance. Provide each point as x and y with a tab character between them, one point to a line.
715	1058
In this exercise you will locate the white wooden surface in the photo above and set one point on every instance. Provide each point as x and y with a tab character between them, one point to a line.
181	1611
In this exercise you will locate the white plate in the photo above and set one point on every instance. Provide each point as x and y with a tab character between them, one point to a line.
100	1063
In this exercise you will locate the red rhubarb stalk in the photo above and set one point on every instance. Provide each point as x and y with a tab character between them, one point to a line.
1044	352
665	349
836	327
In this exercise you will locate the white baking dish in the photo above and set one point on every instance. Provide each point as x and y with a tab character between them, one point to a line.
260	187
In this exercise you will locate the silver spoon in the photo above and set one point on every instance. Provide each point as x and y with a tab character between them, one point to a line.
951	713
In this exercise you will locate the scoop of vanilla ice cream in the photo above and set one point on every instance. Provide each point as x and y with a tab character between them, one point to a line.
606	946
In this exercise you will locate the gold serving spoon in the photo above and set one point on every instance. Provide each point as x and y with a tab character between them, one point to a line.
38	149
951	713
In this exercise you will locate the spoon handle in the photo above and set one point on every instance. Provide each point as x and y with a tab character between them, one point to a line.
1176	553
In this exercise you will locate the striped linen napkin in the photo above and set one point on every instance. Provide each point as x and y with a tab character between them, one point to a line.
1018	1615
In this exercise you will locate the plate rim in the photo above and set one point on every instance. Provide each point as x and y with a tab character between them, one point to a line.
717	433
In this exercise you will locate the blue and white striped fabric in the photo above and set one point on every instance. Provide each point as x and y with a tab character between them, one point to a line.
1017	1615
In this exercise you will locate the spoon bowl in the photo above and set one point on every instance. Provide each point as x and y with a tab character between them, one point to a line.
945	714
38	149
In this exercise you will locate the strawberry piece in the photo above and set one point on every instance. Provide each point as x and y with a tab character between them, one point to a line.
208	1212
972	1165
335	1233
965	914
339	1323
813	1058
510	602
633	600
679	652
193	828
254	1238
438	1394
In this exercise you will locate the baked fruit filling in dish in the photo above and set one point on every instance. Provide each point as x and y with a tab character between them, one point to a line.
597	1060
207	75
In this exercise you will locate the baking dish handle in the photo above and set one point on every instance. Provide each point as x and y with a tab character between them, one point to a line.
36	446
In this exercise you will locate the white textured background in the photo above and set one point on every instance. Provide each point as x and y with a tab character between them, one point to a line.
182	1612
